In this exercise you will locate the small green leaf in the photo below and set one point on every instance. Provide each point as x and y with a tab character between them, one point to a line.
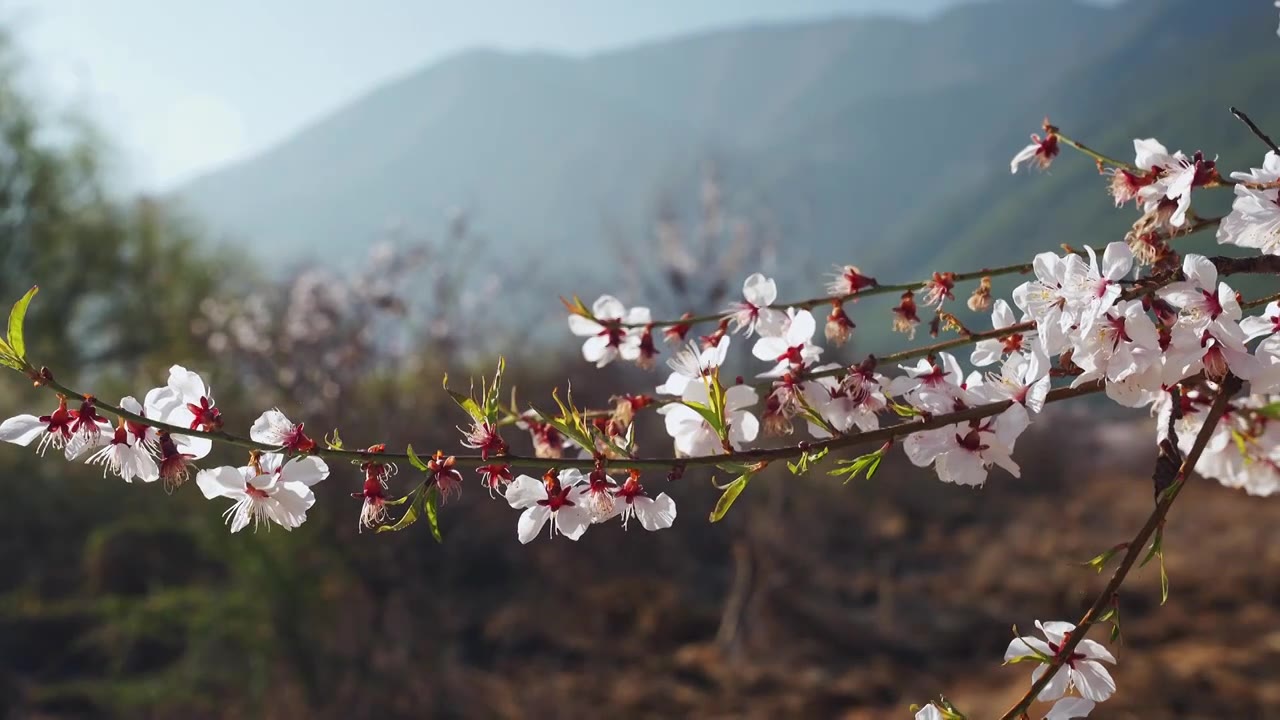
415	461
1271	410
1099	561
410	516
867	464
17	344
433	512
731	493
709	415
1164	582
336	442
1156	544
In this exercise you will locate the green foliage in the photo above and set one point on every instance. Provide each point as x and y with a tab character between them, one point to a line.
731	493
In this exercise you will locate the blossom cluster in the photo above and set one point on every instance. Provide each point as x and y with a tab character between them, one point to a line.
1135	319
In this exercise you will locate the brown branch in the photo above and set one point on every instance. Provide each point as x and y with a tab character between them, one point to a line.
1137	546
762	455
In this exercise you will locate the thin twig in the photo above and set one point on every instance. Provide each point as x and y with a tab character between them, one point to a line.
1242	117
1137	547
878	436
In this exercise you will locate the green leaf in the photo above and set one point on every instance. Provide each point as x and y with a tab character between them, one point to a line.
410	516
432	504
1272	410
707	414
17	344
1164	582
415	461
1099	561
731	493
1156	544
467	404
490	393
867	464
806	459
336	442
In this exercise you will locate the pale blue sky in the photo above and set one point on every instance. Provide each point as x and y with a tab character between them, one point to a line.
183	86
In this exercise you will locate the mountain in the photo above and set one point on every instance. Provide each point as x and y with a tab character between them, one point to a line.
878	141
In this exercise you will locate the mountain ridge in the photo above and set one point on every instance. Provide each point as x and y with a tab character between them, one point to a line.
849	131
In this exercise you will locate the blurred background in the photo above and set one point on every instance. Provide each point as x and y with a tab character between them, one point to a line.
327	207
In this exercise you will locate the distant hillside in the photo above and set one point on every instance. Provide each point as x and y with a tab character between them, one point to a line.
876	141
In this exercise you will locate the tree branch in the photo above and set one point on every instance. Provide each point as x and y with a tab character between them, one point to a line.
1137	547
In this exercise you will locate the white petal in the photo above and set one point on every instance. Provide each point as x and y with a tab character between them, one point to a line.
584	327
187	384
1056	688
270	428
572	521
1055	630
307	470
531	521
1026	646
1069	708
802	328
656	513
196	447
525	492
1094	650
224	481
759	290
769	349
1092	680
21	429
608	307
1200	270
929	712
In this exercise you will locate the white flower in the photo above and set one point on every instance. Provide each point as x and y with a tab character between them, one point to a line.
1266	324
273	428
694	436
1266	377
1175	176
936	387
1211	350
1123	347
1204	301
691	365
961	454
52	430
1254	220
792	348
989	352
607	339
846	404
1083	670
188	402
125	456
1069	708
754	312
140	433
1024	379
653	513
558	499
1045	300
1040	152
1097	288
267	489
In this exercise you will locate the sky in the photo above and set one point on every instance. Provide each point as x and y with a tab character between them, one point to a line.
180	87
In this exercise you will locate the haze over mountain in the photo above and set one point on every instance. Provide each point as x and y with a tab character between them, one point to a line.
884	142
